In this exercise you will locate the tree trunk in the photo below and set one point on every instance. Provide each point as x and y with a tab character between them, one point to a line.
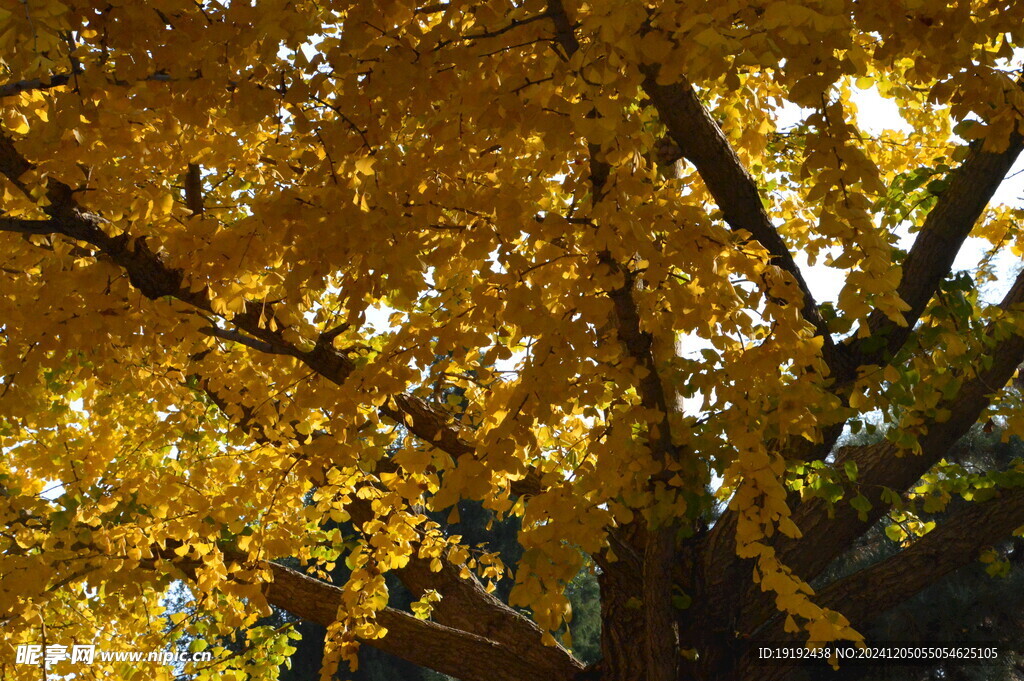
622	625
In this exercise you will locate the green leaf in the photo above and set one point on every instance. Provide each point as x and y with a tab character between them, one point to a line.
851	470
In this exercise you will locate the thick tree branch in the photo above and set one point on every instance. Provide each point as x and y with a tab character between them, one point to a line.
193	181
461	654
12	163
827	533
866	594
870	592
465	605
882	465
565	35
651	577
458	653
944	231
661	641
703	143
639	345
660	543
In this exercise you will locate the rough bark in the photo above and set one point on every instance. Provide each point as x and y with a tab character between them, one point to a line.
661	636
622	625
955	543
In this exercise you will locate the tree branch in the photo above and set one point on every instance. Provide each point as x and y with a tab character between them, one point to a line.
236	336
661	641
148	272
945	229
565	35
703	143
32	84
22	226
650	577
461	654
870	592
56	80
828	532
193	182
466	655
866	594
465	605
659	657
882	465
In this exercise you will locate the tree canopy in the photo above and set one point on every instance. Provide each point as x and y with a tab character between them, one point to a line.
272	270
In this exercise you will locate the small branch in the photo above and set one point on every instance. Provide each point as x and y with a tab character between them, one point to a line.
514	24
17	87
239	337
433	8
21	226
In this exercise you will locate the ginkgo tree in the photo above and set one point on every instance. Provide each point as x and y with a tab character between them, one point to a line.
265	265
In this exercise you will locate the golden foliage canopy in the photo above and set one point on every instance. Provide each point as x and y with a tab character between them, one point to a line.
269	265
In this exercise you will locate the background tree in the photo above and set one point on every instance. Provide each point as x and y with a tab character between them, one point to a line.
236	239
978	603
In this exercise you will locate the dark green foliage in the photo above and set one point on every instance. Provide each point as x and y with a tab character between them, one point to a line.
585	597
